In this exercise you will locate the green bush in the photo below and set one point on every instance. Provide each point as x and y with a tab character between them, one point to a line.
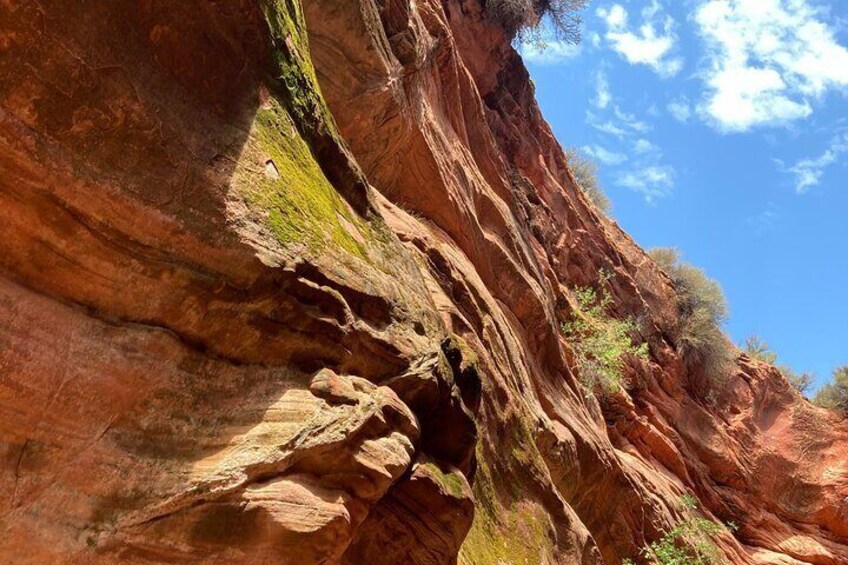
701	311
758	349
689	543
834	395
523	18
601	343
585	171
799	381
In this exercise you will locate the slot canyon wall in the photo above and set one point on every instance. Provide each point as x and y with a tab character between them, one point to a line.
282	281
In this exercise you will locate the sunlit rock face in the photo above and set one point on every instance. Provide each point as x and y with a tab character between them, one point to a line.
283	282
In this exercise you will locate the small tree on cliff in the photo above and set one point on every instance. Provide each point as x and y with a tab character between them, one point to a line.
701	311
834	395
585	171
799	381
524	18
688	543
758	349
601	342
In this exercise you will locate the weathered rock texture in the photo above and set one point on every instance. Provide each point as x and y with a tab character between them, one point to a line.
243	322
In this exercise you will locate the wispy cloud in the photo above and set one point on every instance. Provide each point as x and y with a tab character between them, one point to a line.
595	39
765	220
631	121
607	126
767	61
808	172
680	109
643	146
635	162
620	124
652	182
652	43
604	155
549	52
602	90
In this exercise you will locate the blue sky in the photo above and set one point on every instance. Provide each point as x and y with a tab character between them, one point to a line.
721	128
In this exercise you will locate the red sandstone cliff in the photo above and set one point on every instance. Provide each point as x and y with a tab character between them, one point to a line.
245	322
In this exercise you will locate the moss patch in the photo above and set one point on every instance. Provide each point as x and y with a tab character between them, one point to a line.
300	205
469	356
515	533
294	74
452	483
524	451
278	174
521	535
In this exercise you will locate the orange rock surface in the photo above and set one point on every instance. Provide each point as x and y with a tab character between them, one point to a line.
283	281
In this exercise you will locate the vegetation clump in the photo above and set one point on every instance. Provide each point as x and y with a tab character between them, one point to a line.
799	381
701	311
834	395
758	349
585	171
689	543
524	18
601	342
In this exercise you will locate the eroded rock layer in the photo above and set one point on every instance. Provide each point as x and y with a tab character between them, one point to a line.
283	282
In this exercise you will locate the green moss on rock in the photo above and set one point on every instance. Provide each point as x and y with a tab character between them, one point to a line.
514	533
301	204
452	483
521	535
469	356
294	75
278	173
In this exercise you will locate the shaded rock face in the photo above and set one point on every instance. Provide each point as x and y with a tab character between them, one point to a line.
283	282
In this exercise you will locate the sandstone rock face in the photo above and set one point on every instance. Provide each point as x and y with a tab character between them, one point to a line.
282	282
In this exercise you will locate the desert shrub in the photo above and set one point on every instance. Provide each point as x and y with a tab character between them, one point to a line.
834	395
585	171
601	342
799	381
701	311
523	18
690	542
758	349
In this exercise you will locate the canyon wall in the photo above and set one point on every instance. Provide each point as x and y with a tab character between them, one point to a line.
283	282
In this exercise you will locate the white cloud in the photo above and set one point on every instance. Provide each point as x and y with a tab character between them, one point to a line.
808	172
644	171
644	146
651	44
620	124
630	120
549	52
767	60
595	38
609	127
680	109
604	155
602	90
653	182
